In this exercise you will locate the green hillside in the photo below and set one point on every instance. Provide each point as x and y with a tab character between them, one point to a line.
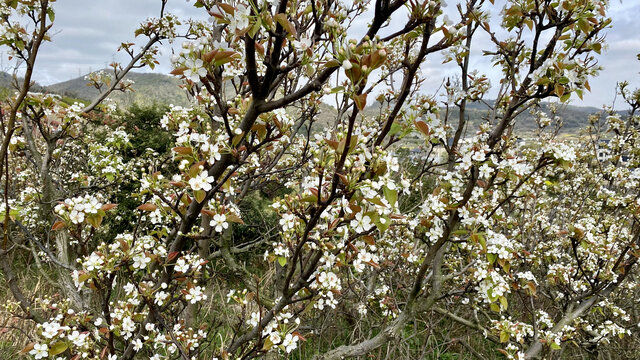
574	118
7	84
6	80
164	89
148	89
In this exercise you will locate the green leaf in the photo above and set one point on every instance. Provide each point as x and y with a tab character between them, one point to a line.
268	344
51	14
492	258
236	139
376	201
555	346
282	261
504	336
482	242
383	223
390	195
94	220
584	25
310	199
200	195
597	47
255	28
57	348
13	214
83	277
285	23
504	303
395	128
332	63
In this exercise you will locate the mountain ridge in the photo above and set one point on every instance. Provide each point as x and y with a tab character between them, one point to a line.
150	88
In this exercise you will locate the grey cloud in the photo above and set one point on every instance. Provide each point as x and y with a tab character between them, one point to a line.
88	32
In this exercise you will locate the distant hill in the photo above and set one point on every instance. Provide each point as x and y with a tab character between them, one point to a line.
573	117
148	88
159	88
5	80
7	83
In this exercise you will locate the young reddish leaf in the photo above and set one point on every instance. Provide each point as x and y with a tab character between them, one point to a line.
341	145
344	179
27	348
147	207
226	8
172	255
207	212
178	71
208	57
334	223
355	208
234	218
587	86
423	127
369	239
297	334
182	150
223	57
361	101
373	264
104	351
107	207
58	225
332	143
123	244
260	48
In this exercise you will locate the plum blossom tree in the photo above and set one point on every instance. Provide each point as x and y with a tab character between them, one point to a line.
525	248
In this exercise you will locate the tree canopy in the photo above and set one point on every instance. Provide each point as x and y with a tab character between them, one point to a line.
235	229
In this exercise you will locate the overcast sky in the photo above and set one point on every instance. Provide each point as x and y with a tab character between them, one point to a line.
88	32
